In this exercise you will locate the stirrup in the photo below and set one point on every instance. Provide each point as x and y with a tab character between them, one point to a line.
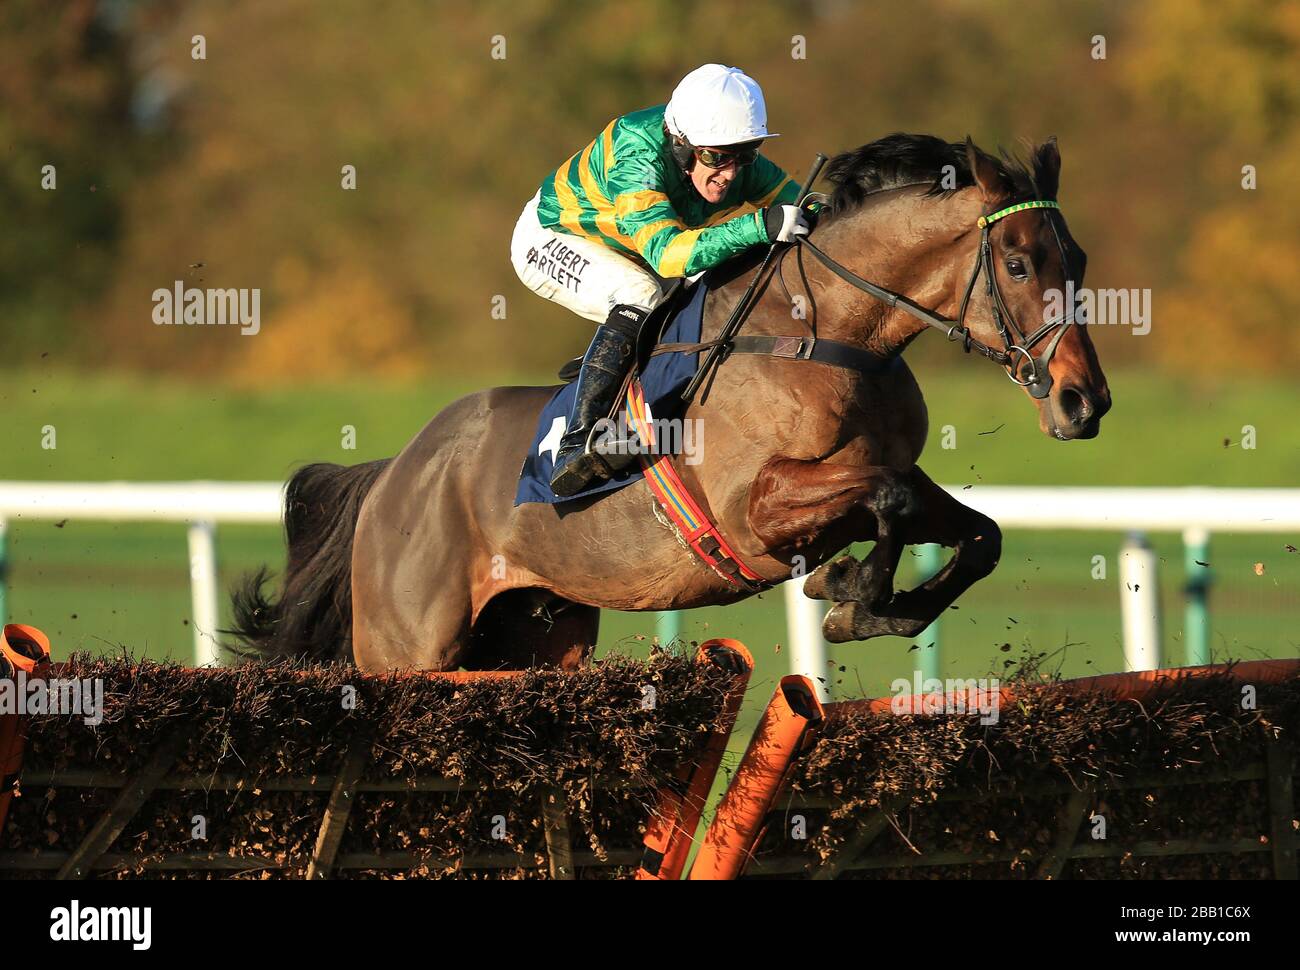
593	464
579	473
616	456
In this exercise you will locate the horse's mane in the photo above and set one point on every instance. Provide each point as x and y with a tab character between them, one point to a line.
901	159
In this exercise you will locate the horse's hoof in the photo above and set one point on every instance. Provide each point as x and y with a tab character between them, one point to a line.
841	622
855	621
833	581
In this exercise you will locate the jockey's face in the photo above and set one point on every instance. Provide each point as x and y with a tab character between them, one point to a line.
712	183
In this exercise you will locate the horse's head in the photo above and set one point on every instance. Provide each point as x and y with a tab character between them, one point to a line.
1029	310
997	259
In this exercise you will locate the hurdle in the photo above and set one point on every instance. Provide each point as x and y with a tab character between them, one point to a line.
782	817
515	774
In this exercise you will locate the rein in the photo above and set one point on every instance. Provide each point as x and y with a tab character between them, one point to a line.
1016	354
1038	381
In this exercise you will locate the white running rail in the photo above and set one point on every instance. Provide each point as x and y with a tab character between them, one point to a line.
1194	511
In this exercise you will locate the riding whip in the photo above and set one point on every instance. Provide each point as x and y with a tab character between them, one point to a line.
741	310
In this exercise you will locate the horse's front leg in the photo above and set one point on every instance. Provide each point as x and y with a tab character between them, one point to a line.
792	502
938	517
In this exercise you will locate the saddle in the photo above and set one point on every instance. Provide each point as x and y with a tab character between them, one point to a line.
657	375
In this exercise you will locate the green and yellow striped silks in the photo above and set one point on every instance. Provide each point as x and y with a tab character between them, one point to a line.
624	190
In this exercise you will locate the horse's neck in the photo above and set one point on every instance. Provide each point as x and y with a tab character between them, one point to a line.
896	240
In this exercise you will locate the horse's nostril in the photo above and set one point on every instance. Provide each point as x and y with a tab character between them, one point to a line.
1076	405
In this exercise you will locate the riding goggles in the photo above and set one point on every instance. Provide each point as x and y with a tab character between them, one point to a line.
720	157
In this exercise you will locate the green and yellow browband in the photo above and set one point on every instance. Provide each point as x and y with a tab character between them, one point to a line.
1002	213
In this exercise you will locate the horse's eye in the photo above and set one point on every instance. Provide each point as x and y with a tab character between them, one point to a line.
1017	269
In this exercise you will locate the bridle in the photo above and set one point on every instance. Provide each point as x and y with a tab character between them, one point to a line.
1017	355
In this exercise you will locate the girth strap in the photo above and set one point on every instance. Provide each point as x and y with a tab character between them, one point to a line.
688	518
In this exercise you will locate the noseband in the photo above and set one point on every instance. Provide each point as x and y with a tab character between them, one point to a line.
1023	367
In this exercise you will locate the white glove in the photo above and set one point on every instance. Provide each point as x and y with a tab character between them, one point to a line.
784	222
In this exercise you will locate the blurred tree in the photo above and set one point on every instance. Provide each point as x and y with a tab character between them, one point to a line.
1229	68
65	92
1231	74
227	171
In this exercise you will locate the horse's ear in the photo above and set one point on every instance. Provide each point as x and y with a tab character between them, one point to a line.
984	169
1047	168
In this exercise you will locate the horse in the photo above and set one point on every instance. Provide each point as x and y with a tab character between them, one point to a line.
423	560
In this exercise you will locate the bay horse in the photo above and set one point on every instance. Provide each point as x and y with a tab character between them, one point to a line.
423	560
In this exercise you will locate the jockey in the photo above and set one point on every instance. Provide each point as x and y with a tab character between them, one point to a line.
648	200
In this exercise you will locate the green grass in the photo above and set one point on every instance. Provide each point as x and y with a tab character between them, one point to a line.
1162	431
101	586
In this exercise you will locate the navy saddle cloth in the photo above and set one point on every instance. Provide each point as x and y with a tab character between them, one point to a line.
662	380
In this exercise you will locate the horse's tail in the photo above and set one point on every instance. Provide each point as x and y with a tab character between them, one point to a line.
313	617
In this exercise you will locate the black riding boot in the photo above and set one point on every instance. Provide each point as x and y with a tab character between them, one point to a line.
604	366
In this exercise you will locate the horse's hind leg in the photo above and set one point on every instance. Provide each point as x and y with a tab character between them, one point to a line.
523	628
424	627
939	517
411	603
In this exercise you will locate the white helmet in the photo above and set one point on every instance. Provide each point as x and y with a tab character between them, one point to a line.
715	106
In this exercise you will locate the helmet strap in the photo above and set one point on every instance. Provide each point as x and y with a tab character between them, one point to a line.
682	150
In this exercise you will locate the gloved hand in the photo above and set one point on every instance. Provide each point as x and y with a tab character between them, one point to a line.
784	222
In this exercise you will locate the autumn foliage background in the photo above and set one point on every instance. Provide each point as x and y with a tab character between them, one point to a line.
225	172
